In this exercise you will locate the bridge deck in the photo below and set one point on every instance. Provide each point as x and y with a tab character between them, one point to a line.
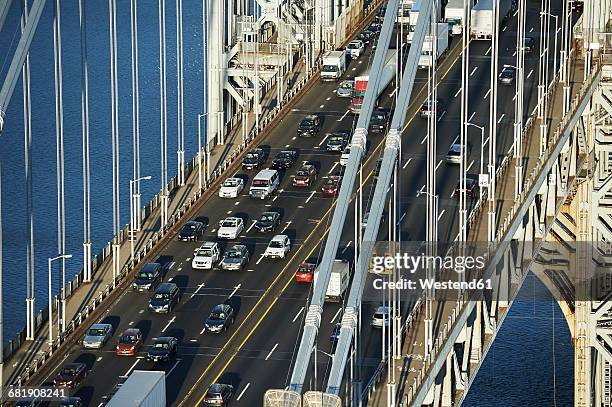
405	370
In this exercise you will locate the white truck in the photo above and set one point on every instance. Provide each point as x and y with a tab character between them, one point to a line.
144	388
482	18
338	280
453	15
425	60
414	16
334	65
403	14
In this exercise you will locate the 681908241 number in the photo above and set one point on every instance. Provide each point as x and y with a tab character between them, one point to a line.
38	393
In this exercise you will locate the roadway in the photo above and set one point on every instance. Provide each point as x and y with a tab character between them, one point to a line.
257	352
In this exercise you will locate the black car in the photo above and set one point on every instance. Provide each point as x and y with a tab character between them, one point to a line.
220	318
378	167
366	36
148	278
335	334
378	122
337	141
71	402
285	159
309	126
268	222
163	349
218	395
165	298
254	159
529	44
577	6
191	231
506	76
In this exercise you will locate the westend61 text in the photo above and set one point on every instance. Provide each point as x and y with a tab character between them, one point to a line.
405	284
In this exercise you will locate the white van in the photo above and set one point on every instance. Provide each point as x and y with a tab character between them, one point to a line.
264	184
338	280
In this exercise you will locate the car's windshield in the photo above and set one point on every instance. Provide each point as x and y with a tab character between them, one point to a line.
330	68
266	218
145	275
161	296
160	346
96	332
301	174
303	269
217	315
68	371
336	140
234	254
260	183
232	182
251	155
347	85
276	244
204	253
378	117
229	223
455	148
127	339
353	45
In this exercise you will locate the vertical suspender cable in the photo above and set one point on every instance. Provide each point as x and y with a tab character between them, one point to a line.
85	130
27	133
112	8
163	114
519	99
566	53
493	123
135	198
1	296
464	129
541	84
180	90
59	132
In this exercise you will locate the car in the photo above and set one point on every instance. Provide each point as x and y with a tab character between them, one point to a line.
506	76
220	319
331	186
381	316
454	153
230	228
366	216
310	126
71	375
305	273
378	122
376	25
335	335
164	299
577	6
206	256
254	159
305	176
218	395
337	141
163	349
345	89
529	44
149	277
71	402
97	336
355	48
231	187
344	158
27	402
366	36
268	221
191	231
129	342
236	258
279	246
471	187
284	160
377	167
426	110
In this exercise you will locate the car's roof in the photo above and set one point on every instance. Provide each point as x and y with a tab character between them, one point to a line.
150	266
238	247
208	245
74	365
165	339
165	287
100	326
273	213
131	331
232	218
279	238
311	116
221	307
233	179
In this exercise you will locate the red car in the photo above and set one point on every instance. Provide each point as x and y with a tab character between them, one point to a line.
471	188
305	273
305	176
331	186
129	342
71	375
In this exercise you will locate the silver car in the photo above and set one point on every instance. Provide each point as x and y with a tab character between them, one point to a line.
235	258
97	336
381	316
345	90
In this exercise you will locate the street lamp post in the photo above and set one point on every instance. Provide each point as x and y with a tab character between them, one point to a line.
207	156
134	217
61	321
315	350
436	208
545	13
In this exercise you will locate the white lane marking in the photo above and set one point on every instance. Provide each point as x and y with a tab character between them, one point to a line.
298	314
346	247
286	227
487	94
529	74
173	367
458	92
501	117
300	207
235	290
343	116
328	98
473	70
406	164
138	359
421	190
287	145
293	138
441	213
401	219
310	197
455	140
335	316
321	107
99	358
171	265
393	93
228	212
250	227
424	140
489	50
359	62
141	311
514	98
452	194
439	164
168	324
469	166
354	69
275	198
323	141
442	115
260	259
268	205
471	117
333	167
170	279
197	290
131	323
203	330
213	231
504	29
272	351
243	391
236	203
531	30
514	54
193	340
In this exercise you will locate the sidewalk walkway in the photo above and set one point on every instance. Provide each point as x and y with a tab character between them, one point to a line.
84	297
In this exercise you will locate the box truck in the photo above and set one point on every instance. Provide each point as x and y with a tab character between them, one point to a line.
338	280
453	15
334	65
482	18
414	16
361	82
403	14
144	388
425	60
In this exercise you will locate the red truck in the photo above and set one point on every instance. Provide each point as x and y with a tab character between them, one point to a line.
361	82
